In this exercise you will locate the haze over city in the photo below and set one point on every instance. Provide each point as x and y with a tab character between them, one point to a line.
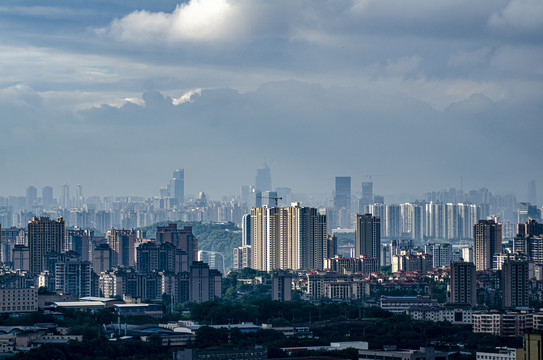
114	95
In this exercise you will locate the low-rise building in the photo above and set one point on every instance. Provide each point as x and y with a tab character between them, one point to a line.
18	300
400	304
390	353
503	324
256	353
501	354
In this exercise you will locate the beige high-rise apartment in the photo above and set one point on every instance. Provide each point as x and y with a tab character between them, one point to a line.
288	238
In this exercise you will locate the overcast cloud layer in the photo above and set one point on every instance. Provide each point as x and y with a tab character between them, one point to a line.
115	95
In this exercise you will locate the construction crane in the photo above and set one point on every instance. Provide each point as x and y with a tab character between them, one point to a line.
275	198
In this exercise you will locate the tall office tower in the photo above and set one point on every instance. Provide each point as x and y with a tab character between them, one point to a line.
177	186
487	242
442	254
47	197
65	196
31	197
288	238
282	287
393	221
214	259
367	238
532	195
463	283
79	200
342	195
183	239
263	181
515	285
102	258
122	242
342	202
44	235
246	230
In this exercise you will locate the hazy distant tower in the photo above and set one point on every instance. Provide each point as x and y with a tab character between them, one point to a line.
47	197
78	196
31	197
263	180
65	196
177	186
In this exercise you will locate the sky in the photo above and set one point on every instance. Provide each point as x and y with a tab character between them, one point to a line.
417	94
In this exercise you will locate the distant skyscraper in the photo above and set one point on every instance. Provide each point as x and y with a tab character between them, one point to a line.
515	285
342	202
487	238
31	197
342	197
463	283
368	236
44	235
177	186
47	197
65	196
79	196
263	181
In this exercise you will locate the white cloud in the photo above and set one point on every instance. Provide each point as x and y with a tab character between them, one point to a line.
186	97
523	14
197	20
21	95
